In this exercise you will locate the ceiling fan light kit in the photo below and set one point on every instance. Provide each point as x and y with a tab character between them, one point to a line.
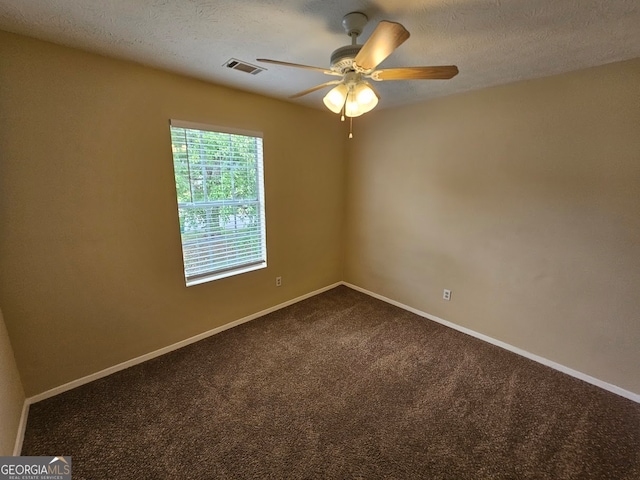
365	97
334	100
353	95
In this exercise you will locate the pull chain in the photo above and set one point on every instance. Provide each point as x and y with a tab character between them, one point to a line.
350	127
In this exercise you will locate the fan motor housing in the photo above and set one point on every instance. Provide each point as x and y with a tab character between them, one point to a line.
343	57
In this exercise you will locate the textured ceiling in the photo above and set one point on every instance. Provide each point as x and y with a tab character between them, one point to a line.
491	41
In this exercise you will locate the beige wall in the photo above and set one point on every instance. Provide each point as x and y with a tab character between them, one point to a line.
524	200
90	249
11	394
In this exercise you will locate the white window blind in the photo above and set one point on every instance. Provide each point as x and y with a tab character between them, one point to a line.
220	193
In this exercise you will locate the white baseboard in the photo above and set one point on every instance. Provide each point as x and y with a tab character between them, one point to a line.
531	356
135	361
21	428
183	343
143	358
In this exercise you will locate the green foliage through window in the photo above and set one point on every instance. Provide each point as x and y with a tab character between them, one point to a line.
220	200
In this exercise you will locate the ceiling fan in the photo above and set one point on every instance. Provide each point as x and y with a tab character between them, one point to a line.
353	95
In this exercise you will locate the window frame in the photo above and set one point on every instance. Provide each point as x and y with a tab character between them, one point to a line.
261	206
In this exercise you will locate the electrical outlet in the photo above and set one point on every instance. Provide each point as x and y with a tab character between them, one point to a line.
446	294
278	281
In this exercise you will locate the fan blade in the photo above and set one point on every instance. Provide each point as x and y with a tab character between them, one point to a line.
317	87
383	41
297	65
444	72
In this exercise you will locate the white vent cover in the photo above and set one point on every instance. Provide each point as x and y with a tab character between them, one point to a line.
243	66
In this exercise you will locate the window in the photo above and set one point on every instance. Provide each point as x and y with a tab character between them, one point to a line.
220	192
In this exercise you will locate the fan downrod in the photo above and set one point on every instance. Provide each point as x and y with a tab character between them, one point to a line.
342	58
353	23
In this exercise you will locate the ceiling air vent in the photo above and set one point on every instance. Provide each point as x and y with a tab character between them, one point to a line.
243	66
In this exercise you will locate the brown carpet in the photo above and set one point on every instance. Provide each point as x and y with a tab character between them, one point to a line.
339	386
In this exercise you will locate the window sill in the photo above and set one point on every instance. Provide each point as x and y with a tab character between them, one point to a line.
228	273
